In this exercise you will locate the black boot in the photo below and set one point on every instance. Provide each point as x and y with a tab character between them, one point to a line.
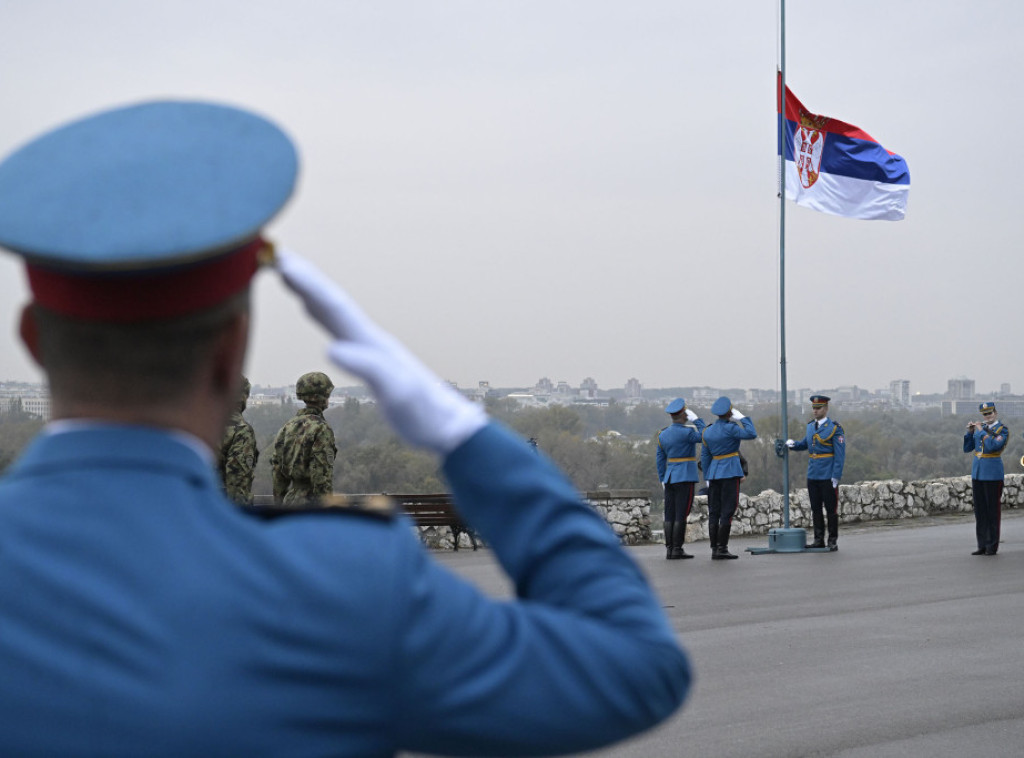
723	553
713	537
668	540
678	538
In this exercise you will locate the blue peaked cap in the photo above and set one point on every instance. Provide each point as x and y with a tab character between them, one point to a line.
989	406
675	406
722	406
145	186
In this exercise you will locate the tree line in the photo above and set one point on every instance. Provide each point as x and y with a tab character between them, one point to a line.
609	447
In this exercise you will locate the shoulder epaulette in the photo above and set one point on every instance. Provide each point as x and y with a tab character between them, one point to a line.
379	507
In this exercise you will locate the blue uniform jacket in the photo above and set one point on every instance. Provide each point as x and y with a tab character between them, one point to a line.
826	450
720	455
987	444
677	456
141	613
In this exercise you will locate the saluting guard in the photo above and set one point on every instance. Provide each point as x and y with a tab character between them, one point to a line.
720	460
677	470
825	442
987	439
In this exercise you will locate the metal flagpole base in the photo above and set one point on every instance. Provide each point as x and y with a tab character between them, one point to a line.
786	541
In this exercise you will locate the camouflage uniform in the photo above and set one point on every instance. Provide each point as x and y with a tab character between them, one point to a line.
238	456
238	453
304	451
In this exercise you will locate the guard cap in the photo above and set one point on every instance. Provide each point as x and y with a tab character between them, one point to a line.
676	406
147	211
987	407
722	406
817	401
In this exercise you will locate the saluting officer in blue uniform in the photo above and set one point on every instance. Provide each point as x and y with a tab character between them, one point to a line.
720	460
143	613
987	439
825	442
677	470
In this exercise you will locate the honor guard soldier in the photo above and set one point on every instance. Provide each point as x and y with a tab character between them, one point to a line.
676	459
238	453
825	442
144	613
987	439
720	461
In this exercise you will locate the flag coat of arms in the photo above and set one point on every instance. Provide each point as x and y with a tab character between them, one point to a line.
838	168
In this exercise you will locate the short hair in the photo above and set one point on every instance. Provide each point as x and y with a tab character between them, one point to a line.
131	364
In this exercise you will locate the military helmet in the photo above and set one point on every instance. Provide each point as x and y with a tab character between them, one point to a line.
314	384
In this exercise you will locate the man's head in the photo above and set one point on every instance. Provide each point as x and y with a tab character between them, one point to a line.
140	228
819	406
988	411
243	395
314	389
676	409
722	408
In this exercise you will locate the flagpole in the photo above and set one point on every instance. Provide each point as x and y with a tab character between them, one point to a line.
782	260
784	540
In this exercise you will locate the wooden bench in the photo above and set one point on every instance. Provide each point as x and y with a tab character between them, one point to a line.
424	510
435	510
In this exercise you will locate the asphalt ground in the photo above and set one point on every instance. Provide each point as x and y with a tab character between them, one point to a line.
900	644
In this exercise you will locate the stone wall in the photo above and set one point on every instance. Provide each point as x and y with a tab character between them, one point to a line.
864	501
628	512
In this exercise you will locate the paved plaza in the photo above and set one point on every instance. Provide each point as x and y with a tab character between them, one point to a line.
900	644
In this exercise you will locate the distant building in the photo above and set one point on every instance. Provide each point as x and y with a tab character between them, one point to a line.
899	393
544	386
1004	389
1005	409
960	388
634	389
588	388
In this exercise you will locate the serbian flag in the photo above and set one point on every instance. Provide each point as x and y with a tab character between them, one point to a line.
837	168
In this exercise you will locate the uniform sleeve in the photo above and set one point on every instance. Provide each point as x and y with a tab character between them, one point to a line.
660	459
321	462
800	444
583	657
968	442
705	459
747	430
239	465
993	443
838	453
280	481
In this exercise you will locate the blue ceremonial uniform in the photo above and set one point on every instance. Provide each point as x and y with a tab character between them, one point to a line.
825	442
142	613
676	460
676	457
720	456
987	442
720	460
826	450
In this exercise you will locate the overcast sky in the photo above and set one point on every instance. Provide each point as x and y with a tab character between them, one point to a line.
587	188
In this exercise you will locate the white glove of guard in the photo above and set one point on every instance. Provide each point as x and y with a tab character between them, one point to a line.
835	482
737	415
690	415
424	410
790	444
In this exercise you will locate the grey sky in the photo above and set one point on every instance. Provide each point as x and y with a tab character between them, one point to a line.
588	188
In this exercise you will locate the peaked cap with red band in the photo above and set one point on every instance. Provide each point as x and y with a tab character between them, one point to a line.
145	212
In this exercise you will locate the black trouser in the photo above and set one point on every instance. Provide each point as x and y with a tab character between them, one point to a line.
987	512
822	493
723	500
678	502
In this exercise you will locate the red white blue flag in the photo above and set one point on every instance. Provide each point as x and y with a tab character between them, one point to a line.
837	168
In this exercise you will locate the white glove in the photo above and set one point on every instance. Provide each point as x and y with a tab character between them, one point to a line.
690	415
737	415
424	410
790	444
835	482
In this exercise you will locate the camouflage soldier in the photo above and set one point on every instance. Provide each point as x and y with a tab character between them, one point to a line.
238	453
304	450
